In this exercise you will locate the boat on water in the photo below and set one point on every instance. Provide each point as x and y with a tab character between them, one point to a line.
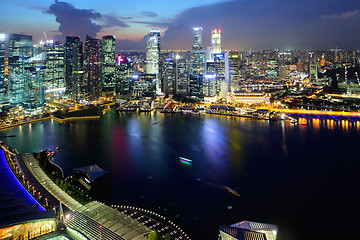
293	121
5	136
57	148
231	191
185	160
154	123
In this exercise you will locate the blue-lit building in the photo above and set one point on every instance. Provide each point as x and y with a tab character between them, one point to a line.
34	77
21	215
20	49
108	65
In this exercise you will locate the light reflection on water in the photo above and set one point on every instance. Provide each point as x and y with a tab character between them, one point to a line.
274	166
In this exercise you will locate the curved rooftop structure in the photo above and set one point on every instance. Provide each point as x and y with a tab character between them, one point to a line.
96	219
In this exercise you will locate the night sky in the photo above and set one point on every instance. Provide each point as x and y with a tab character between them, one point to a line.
245	24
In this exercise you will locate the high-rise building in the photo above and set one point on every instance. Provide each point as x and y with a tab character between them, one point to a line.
34	76
168	75
74	68
181	74
196	87
92	66
108	65
216	41
232	68
197	66
143	86
153	57
209	85
217	68
20	49
197	40
55	68
2	67
124	71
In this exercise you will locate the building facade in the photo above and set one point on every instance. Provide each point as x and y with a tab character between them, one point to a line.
20	49
108	65
92	79
74	68
55	69
153	57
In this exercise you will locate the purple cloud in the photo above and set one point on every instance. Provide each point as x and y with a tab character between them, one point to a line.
74	21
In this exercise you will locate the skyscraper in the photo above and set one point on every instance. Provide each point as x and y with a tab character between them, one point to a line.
20	49
55	63
153	57
197	40
33	75
216	41
2	66
92	78
197	54
197	65
232	67
168	75
181	74
73	67
108	63
124	71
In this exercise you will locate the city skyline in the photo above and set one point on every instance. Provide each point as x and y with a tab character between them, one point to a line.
244	24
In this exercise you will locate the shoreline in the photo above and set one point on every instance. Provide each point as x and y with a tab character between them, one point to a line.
308	113
49	118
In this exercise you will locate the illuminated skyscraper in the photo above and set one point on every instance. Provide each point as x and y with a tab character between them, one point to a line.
197	66
232	67
33	75
108	62
20	49
124	71
55	63
2	67
153	57
168	75
181	74
92	78
197	40
73	67
216	41
197	54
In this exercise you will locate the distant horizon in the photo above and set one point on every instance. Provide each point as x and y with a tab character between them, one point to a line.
204	47
245	24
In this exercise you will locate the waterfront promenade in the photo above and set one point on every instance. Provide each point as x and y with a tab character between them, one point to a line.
48	184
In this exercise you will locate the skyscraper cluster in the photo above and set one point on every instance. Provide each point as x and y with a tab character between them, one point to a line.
32	74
